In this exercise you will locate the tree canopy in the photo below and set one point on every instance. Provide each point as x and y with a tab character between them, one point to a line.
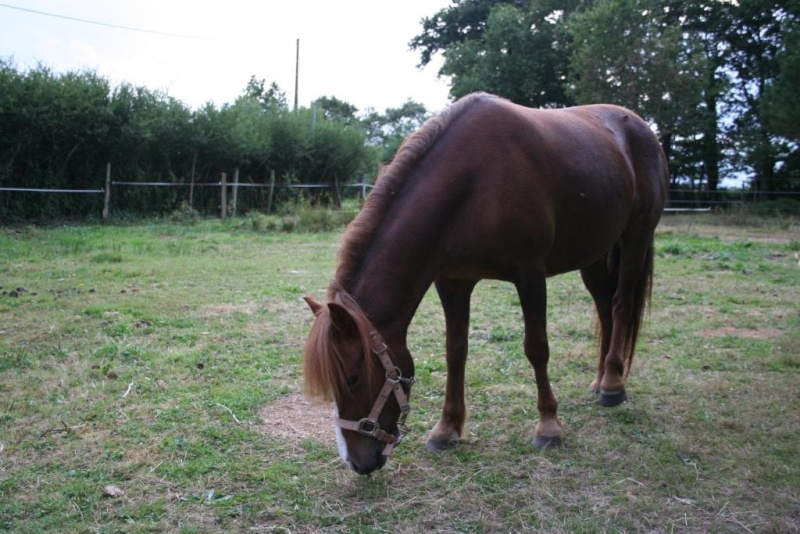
716	79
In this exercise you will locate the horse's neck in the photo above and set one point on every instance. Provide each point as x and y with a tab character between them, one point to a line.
399	259
390	297
395	273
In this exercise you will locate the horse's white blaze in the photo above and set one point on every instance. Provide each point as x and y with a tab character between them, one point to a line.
340	443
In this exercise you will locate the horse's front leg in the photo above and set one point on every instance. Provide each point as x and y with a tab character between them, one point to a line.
533	297
455	297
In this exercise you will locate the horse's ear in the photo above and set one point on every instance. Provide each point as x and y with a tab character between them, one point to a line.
316	307
342	319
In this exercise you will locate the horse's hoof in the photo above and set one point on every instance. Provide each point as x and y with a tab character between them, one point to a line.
437	445
544	442
609	400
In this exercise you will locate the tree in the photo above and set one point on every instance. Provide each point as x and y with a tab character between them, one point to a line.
782	108
782	98
756	37
465	20
516	49
334	109
716	78
703	22
386	131
626	52
270	99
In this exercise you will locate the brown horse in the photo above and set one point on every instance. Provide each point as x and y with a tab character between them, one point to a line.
487	189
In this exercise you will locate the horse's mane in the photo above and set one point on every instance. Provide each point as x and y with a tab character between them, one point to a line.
357	237
323	360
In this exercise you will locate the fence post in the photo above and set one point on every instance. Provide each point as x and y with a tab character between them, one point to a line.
235	190
338	198
224	197
191	184
107	196
271	191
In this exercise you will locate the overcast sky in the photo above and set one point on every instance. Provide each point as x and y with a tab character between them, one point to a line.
355	50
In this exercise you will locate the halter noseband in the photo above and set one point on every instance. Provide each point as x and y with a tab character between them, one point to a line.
368	426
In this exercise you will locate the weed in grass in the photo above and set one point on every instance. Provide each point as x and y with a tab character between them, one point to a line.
13	358
107	257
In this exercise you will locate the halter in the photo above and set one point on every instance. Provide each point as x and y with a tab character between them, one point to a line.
368	426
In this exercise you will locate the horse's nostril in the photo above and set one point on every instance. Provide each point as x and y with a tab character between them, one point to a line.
367	468
362	470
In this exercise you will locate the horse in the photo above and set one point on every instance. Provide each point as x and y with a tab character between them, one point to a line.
486	190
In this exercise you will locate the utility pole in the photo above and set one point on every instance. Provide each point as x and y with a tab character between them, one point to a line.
296	74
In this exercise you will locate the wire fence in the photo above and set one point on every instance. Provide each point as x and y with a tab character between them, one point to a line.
227	191
701	200
681	200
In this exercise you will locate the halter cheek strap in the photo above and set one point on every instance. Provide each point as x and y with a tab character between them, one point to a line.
368	426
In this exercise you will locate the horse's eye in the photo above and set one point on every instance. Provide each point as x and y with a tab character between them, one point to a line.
352	381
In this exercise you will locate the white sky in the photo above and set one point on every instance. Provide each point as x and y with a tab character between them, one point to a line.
355	50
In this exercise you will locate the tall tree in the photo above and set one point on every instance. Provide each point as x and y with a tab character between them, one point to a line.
782	98
516	49
385	131
270	98
626	52
703	22
758	34
333	108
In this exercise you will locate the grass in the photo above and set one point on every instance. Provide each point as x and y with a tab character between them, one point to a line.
145	357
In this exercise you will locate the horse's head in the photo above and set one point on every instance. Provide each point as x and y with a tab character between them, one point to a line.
347	361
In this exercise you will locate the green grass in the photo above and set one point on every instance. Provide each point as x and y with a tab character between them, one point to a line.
146	356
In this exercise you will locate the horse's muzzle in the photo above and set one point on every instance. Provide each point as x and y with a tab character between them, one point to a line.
367	467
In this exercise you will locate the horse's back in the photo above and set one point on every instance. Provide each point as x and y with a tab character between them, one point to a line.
561	186
578	146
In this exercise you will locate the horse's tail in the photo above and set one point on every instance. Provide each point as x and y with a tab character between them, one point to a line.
641	301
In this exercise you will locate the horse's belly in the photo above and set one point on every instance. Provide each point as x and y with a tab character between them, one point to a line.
577	246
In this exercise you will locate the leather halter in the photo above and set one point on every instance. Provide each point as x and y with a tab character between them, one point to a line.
368	426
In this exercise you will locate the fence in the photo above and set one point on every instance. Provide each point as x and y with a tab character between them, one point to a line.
681	200
688	200
223	185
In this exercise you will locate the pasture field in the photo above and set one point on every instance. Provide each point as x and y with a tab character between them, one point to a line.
150	381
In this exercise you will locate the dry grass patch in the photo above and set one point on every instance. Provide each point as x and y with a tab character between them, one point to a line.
295	419
747	333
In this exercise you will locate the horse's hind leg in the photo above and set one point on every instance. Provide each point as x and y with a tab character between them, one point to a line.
601	285
455	297
634	276
533	297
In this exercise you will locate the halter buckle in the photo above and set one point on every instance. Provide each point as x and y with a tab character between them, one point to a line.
378	344
368	427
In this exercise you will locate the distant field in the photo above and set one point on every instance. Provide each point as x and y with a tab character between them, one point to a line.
150	381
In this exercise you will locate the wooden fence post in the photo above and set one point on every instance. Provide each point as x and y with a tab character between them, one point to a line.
107	197
224	197
235	190
191	184
271	191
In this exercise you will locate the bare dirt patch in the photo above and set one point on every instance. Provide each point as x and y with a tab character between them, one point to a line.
749	333
293	418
